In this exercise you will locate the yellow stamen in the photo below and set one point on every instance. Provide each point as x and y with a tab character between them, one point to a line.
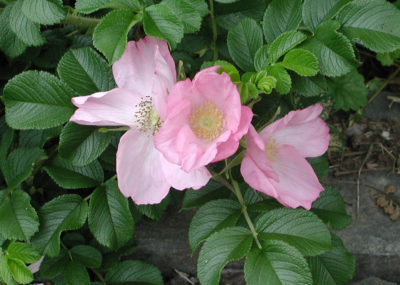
147	117
207	121
271	149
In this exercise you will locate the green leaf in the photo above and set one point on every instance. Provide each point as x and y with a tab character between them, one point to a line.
388	58
212	217
224	66
81	144
19	271
335	267
320	165
23	251
310	86
45	12
301	61
25	29
37	138
111	33
64	213
18	219
330	208
5	273
261	58
20	163
10	44
284	82
243	42
220	248
86	255
85	71
7	137
195	198
154	211
334	51
281	16
160	21
69	176
299	228
134	272
110	219
276	263
76	274
226	1
348	91
375	23
52	267
90	6
284	43
317	11
187	13
37	100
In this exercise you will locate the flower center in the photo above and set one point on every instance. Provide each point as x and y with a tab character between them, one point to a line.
271	149
146	117
207	121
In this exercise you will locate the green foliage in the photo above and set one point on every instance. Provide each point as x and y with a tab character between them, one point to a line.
335	267
243	42
372	22
195	198
276	263
348	91
111	33
45	12
10	44
66	212
301	61
81	144
220	248
299	228
37	100
212	217
334	51
110	219
86	255
68	176
318	11
19	165
76	273
134	272
330	208
284	81
161	22
90	6
85	71
281	16
18	219
284	43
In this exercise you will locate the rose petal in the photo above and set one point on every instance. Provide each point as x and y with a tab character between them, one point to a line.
113	108
181	180
298	185
140	175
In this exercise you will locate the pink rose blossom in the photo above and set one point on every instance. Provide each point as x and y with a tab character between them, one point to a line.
275	159
144	75
204	121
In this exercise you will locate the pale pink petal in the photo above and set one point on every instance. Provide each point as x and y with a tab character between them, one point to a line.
256	178
181	180
228	148
140	175
147	68
293	118
298	185
219	89
113	108
256	151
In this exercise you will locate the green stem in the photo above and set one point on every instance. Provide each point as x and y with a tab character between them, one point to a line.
80	21
106	130
214	31
390	78
102	281
236	190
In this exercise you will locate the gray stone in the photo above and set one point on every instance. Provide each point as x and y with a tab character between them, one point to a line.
379	109
372	237
372	281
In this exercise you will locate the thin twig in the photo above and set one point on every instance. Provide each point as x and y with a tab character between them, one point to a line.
390	78
359	175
